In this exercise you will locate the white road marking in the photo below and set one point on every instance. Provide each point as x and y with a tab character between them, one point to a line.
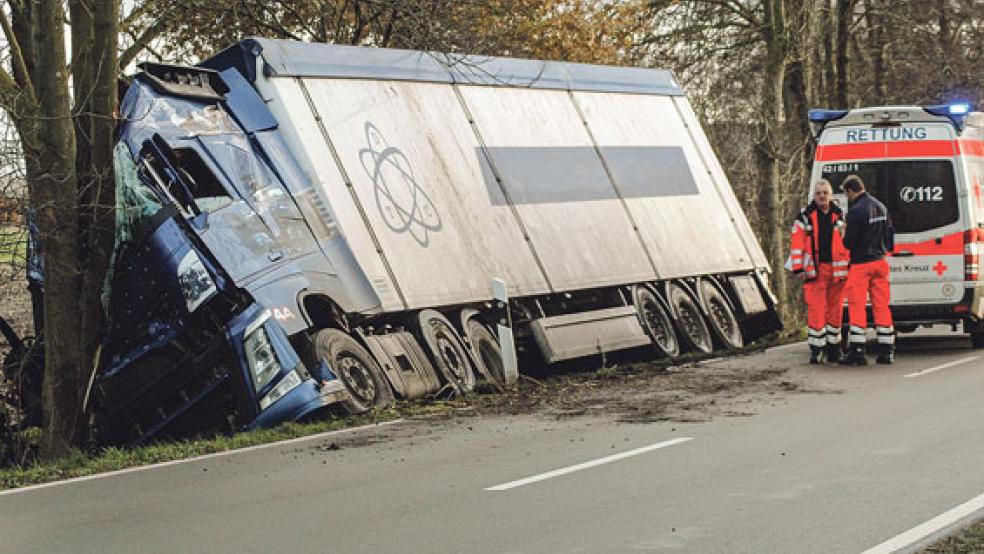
195	459
941	366
586	465
926	529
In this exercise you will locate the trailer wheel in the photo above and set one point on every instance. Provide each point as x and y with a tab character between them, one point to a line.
487	354
722	317
447	350
358	371
656	321
693	329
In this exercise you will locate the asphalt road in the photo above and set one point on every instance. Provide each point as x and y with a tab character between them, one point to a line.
881	451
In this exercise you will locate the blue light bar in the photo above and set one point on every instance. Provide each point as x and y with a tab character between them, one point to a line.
954	112
825	116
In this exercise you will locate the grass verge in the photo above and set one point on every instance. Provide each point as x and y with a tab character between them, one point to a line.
79	463
970	539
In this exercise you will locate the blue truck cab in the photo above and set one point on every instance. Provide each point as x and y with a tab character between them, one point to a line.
212	254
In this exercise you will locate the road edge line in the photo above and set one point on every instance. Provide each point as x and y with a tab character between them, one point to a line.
7	492
933	529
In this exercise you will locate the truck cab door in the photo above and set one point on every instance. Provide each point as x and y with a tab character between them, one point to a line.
234	233
256	183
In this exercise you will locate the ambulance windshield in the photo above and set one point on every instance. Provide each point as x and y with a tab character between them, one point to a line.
920	195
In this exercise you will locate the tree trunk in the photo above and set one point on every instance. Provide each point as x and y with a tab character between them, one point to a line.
829	55
57	218
767	147
845	11
96	176
876	49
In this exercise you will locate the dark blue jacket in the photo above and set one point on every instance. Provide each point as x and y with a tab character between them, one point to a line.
869	230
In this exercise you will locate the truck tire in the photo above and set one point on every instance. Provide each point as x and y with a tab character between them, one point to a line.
487	355
446	350
656	321
356	368
693	329
721	316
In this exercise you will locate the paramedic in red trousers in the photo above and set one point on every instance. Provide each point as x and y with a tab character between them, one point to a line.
869	237
818	257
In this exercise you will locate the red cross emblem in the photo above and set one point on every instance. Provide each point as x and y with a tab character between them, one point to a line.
939	268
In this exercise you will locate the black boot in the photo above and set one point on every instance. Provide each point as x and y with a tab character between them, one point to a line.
855	356
887	354
816	354
833	353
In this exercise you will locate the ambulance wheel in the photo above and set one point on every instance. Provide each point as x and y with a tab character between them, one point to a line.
446	350
356	368
656	321
487	354
721	316
977	340
693	329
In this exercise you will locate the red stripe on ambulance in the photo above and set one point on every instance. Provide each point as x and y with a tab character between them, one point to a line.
896	149
952	244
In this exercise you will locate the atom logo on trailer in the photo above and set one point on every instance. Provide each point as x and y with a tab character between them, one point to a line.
404	206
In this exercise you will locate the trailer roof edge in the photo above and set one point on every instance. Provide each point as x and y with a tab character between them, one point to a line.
287	58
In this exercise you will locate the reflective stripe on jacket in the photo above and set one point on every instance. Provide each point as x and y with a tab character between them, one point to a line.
804	245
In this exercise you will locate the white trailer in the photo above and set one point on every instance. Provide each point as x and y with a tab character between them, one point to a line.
590	191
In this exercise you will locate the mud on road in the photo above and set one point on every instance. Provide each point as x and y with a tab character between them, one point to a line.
630	390
639	391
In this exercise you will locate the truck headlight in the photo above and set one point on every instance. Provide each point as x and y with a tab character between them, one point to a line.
290	382
262	360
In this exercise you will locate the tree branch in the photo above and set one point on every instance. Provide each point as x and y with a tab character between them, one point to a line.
142	42
17	59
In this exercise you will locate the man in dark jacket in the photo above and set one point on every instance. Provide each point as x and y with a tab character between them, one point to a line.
869	237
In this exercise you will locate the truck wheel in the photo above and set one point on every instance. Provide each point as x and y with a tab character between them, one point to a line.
722	317
358	371
656	321
487	354
447	350
692	326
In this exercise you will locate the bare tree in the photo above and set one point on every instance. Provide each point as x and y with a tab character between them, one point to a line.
69	180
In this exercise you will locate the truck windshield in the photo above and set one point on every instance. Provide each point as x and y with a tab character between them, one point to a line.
920	195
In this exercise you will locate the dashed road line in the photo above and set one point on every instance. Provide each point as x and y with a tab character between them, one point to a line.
934	369
586	465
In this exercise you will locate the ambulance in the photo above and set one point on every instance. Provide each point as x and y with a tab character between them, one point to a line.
926	164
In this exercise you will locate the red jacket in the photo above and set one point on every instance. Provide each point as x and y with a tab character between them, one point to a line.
804	244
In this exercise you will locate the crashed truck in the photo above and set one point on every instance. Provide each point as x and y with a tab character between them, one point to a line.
310	226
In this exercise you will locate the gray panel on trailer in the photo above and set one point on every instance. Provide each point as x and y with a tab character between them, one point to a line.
576	223
668	187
